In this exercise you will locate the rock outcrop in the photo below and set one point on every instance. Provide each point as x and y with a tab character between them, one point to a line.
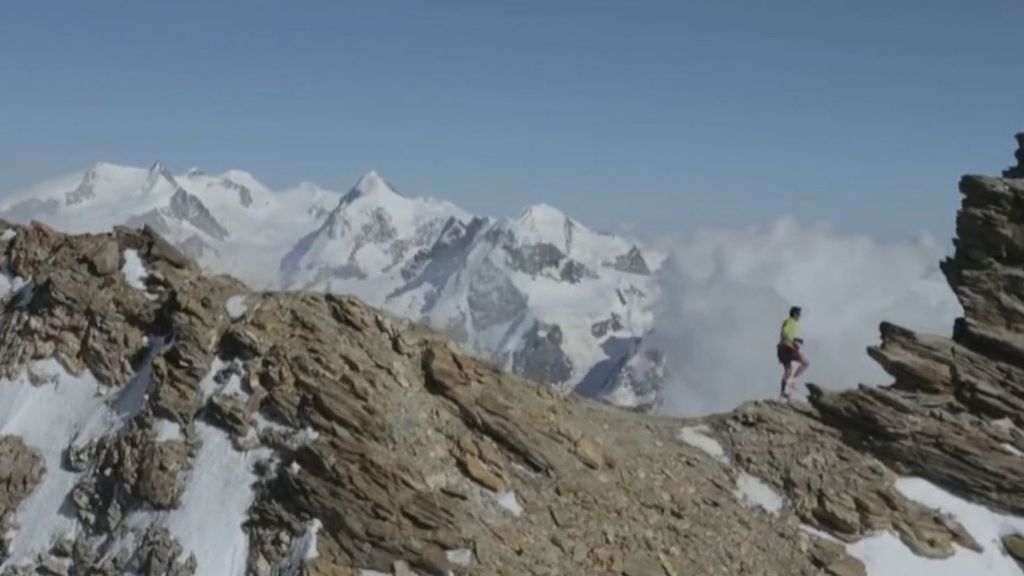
1018	170
311	434
953	414
394	451
20	472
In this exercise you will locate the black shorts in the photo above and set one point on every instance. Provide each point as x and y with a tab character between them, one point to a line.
786	354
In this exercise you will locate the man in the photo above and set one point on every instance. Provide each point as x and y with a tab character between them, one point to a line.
790	351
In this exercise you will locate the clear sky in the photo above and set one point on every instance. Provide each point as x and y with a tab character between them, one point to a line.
660	115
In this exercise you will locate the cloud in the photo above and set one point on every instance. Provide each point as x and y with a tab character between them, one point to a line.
726	293
44	189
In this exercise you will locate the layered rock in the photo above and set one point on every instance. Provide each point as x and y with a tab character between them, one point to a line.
20	472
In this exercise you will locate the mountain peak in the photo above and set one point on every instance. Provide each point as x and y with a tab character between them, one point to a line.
371	184
157	172
542	213
111	169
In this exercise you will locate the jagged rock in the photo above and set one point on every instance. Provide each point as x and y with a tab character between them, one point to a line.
541	358
602	328
829	484
1014	545
104	258
589	453
230	413
478	471
574	272
21	469
832	558
188	208
533	259
159	478
632	262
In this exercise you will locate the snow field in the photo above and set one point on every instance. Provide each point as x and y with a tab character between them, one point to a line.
216	501
49	417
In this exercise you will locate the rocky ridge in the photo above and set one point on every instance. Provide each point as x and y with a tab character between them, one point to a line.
348	440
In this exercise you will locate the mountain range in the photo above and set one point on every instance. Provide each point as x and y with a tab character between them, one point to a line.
541	294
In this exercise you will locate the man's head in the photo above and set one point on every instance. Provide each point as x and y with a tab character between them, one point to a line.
794	312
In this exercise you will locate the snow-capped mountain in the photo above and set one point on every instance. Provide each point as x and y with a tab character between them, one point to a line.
366	240
549	298
230	222
540	294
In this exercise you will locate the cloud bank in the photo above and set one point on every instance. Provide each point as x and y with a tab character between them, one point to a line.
726	293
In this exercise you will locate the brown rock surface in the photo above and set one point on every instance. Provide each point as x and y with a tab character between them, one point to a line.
21	469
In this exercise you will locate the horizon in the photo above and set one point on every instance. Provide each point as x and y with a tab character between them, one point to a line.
655	242
665	119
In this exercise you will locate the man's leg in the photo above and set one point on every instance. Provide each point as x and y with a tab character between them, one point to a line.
787	373
801	358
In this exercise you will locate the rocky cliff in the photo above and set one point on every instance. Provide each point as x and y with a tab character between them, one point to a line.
157	421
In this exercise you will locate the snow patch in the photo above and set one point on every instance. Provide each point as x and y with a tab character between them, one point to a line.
697	436
754	492
167	430
7	235
460	557
1012	449
303	550
134	269
885	555
221	480
6	285
310	552
13	285
508	501
236	306
819	533
62	410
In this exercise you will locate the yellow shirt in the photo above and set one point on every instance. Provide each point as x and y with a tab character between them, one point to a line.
789	331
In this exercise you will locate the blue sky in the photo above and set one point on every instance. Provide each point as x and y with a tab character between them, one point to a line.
656	115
